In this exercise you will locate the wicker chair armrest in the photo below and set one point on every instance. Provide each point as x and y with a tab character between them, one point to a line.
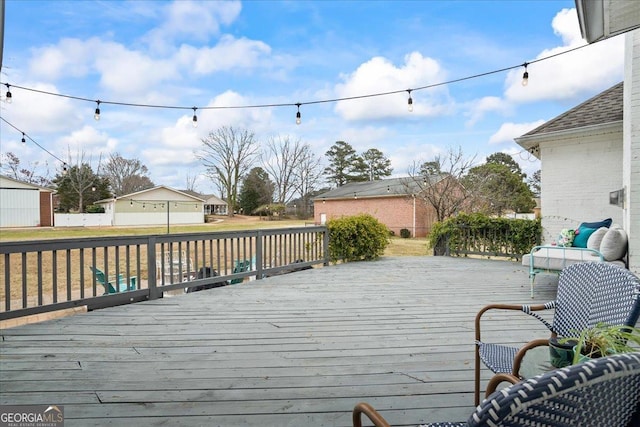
513	307
368	410
517	362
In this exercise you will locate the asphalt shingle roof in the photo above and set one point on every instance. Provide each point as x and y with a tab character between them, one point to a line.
384	187
606	107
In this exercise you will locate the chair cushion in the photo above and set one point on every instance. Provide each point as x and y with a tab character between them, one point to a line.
614	244
557	259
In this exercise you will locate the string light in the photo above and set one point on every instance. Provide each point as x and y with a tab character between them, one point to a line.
97	113
410	101
24	141
525	81
93	188
8	96
64	169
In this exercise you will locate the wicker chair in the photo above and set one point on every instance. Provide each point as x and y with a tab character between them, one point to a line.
588	293
601	392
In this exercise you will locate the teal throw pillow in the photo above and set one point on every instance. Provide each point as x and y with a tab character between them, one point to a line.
582	236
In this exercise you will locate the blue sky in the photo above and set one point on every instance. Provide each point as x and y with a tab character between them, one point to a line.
228	54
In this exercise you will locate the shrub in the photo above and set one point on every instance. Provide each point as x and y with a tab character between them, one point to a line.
95	209
481	234
356	238
405	233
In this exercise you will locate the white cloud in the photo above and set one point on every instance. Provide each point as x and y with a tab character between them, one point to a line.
52	114
571	75
191	20
68	58
509	131
485	105
87	144
131	73
379	75
228	54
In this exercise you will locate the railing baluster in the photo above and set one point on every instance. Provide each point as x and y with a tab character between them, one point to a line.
36	279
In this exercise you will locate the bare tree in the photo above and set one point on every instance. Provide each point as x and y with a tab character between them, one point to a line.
191	182
228	154
11	167
439	182
126	175
309	174
77	185
280	160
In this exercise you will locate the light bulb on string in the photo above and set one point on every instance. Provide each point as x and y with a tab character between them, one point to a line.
97	113
525	76
195	118
23	140
298	116
93	188
410	102
64	169
8	96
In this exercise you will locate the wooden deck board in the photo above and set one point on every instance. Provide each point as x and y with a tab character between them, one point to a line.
292	350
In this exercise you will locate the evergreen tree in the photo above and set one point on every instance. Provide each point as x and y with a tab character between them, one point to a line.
79	187
344	163
257	190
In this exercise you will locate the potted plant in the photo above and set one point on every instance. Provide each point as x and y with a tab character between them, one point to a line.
604	339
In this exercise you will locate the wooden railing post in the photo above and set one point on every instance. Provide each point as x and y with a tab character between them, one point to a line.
151	268
259	260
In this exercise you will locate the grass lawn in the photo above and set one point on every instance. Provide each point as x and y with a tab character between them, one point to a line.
398	246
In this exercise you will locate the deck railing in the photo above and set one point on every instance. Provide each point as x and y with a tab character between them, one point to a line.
49	275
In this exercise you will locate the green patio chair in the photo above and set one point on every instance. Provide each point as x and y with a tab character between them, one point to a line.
240	266
109	288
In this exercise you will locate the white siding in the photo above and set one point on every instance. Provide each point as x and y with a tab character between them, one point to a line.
578	172
19	207
631	164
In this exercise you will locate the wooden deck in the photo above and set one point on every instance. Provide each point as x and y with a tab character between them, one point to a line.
293	350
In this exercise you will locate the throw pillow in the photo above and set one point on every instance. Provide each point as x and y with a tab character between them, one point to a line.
595	239
582	236
604	223
614	244
565	238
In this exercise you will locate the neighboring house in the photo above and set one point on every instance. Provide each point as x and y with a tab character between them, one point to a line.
213	205
390	201
155	206
25	205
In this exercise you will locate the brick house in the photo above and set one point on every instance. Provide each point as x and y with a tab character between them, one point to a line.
390	201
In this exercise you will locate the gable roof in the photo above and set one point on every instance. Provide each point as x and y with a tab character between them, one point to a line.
148	190
209	199
8	182
380	188
606	107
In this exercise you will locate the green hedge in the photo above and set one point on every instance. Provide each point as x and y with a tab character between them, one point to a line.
356	238
484	235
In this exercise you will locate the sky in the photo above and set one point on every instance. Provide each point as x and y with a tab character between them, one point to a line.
231	55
